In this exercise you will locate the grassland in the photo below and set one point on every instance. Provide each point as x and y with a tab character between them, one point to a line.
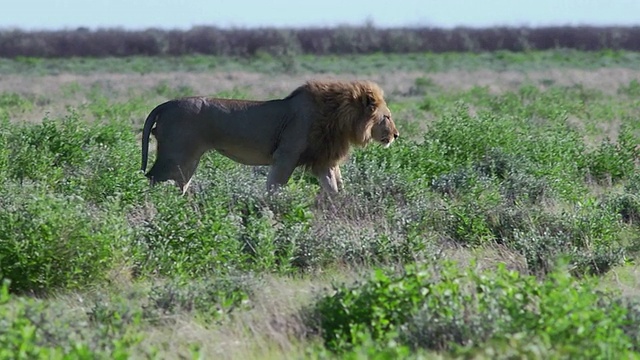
505	222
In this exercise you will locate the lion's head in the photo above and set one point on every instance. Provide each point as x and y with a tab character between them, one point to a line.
384	129
348	113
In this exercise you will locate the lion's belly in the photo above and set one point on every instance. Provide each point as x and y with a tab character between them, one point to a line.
246	156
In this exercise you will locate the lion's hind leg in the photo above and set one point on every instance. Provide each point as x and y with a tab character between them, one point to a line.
179	167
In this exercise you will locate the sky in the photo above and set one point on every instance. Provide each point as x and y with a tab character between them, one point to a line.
176	14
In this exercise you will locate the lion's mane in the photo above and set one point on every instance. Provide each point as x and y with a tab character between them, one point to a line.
344	115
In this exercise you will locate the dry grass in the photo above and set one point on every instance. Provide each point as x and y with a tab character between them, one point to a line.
486	257
123	86
271	329
625	279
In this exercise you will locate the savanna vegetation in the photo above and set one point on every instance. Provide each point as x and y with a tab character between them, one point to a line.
278	41
503	223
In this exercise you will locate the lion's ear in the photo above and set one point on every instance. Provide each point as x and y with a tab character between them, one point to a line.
370	100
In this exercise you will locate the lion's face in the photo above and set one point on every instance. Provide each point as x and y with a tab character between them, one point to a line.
384	129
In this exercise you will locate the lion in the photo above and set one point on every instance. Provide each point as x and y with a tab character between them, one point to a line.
314	127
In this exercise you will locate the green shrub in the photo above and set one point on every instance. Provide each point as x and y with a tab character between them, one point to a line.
423	86
42	152
111	171
633	183
211	299
376	307
495	145
165	90
455	183
574	317
526	189
111	175
14	103
466	223
588	237
497	200
18	332
224	226
446	309
96	161
54	241
466	138
611	162
542	252
632	90
64	139
272	228
627	206
5	153
31	329
187	236
235	93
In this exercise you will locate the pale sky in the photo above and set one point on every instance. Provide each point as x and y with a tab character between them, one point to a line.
176	14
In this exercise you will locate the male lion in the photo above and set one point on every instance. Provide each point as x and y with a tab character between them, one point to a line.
312	127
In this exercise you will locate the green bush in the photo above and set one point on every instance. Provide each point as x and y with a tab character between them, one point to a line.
627	206
632	90
225	225
272	229
57	143
111	171
11	102
54	241
590	236
187	237
445	309
376	307
96	161
30	329
211	299
5	153
165	90
495	145
614	161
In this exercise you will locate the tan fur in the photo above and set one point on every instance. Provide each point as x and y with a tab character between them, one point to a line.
313	127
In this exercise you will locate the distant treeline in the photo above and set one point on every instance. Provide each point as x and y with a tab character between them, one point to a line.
319	41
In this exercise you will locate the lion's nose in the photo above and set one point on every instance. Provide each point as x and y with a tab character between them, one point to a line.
395	136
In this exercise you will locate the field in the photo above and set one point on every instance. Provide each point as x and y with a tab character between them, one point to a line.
503	223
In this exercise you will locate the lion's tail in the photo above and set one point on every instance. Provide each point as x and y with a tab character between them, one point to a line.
146	133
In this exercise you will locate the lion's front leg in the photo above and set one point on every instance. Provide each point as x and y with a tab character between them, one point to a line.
328	179
338	175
